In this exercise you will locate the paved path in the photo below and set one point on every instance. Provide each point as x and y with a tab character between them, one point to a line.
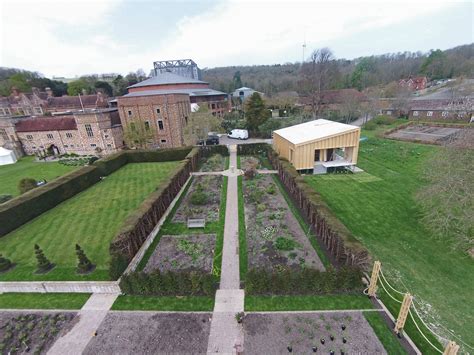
91	316
226	333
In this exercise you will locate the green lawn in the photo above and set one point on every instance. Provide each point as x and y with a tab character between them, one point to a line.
168	303
43	300
386	336
26	167
306	303
379	207
91	218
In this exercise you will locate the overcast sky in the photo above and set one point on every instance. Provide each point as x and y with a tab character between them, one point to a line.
71	38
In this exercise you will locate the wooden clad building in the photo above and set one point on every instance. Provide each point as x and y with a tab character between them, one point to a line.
318	145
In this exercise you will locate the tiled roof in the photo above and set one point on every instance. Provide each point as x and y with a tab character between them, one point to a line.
167	79
75	102
45	123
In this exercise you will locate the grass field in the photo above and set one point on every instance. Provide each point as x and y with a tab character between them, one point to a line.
43	300
168	303
91	218
379	207
384	333
26	167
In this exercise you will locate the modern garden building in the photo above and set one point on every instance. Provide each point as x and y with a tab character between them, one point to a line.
318	145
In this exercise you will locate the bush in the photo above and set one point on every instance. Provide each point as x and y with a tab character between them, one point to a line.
199	197
283	243
305	281
43	264
5	198
261	207
26	184
5	264
271	189
118	264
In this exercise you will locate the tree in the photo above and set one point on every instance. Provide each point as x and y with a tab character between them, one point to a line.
401	103
360	75
43	264
26	184
105	87
236	81
137	134
350	106
317	77
447	200
84	265
255	112
120	85
434	66
5	264
20	81
199	124
77	87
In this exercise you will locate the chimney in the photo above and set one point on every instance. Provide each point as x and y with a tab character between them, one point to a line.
35	91
49	92
15	91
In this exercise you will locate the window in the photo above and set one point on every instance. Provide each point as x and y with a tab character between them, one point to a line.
49	135
445	114
72	145
160	125
2	112
429	114
147	125
89	130
37	110
69	135
27	111
42	147
415	113
186	119
66	146
20	111
29	136
158	111
4	134
163	141
106	136
129	112
213	106
93	145
109	145
33	147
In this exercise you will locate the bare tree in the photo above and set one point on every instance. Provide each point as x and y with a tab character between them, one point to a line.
317	76
401	103
371	107
350	106
199	124
448	198
138	134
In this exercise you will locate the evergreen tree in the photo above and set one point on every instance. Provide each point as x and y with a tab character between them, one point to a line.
5	263
44	264
84	265
255	112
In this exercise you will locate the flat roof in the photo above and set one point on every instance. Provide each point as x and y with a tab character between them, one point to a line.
314	130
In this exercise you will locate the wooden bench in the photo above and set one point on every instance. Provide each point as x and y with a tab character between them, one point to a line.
196	222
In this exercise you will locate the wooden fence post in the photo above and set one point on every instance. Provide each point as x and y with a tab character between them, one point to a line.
451	349
374	278
402	315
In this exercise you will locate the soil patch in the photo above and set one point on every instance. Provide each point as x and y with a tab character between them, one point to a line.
36	332
274	333
184	253
424	133
209	187
151	333
215	162
275	238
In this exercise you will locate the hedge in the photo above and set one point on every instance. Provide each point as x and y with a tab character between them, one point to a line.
305	281
31	204
340	243
169	283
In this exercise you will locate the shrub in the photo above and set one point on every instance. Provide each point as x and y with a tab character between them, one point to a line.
5	264
26	184
5	198
250	173
271	189
43	264
199	198
283	243
84	265
261	207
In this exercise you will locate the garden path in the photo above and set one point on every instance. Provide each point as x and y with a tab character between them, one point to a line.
226	334
91	316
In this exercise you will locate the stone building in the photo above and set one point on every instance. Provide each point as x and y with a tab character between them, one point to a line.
93	131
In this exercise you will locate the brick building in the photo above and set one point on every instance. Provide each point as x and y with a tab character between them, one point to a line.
93	131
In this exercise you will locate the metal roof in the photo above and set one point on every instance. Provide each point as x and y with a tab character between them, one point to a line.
167	79
314	130
190	92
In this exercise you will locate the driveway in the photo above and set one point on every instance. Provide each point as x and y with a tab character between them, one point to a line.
224	140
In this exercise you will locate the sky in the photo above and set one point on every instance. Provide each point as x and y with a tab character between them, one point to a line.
69	38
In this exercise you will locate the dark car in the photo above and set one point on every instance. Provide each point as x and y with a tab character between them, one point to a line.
211	140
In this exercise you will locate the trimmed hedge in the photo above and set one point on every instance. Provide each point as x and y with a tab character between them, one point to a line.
306	281
31	204
169	284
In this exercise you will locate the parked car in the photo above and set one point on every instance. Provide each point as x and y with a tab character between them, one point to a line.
239	134
210	140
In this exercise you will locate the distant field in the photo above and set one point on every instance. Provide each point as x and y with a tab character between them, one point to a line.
91	218
26	167
379	207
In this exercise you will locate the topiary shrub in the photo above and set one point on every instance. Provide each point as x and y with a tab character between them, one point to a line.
5	264
26	184
84	265
43	264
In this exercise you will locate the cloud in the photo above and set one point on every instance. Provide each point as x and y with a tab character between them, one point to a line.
74	37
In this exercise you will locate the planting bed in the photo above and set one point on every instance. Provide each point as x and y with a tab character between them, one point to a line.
193	252
274	333
202	200
215	162
22	332
151	333
247	161
429	134
275	239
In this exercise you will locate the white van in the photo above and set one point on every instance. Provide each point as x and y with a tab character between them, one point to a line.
239	134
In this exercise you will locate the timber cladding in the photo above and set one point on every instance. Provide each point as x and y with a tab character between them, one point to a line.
340	243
